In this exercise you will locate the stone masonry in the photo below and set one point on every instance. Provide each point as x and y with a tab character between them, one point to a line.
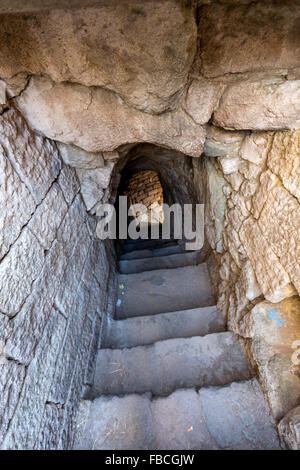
50	316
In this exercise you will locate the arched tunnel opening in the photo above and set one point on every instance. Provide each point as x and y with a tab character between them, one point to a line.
175	332
157	178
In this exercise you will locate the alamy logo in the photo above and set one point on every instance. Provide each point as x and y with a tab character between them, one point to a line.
179	222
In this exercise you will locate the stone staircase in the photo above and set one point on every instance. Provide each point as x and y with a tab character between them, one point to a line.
169	376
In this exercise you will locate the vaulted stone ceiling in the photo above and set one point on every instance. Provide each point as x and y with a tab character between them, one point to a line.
109	74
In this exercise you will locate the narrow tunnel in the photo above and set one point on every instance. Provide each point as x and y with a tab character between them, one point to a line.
187	338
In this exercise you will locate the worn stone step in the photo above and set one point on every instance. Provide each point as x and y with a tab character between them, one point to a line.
191	258
140	331
234	417
214	359
133	245
163	290
114	423
164	251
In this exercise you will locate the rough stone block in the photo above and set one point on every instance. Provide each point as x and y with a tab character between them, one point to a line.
21	266
280	223
93	349
69	112
68	183
48	217
34	158
237	38
93	182
16	204
289	429
284	160
267	104
202	98
273	329
50	429
29	324
220	143
79	158
70	229
255	147
267	182
271	276
71	347
73	272
11	383
25	424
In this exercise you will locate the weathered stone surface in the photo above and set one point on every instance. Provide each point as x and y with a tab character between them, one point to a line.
11	383
280	223
170	427
240	38
267	182
48	216
229	165
2	95
266	104
220	143
93	182
215	209
113	423
284	160
18	6
273	327
99	263
271	276
68	183
29	324
147	70
289	428
16	204
250	170
50	429
5	331
34	158
255	147
79	158
235	180
69	231
18	270
202	99
70	348
76	386
93	349
248	283
70	281
231	425
97	120
25	424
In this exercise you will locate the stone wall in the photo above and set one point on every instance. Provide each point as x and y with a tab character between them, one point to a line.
165	79
144	188
55	283
253	227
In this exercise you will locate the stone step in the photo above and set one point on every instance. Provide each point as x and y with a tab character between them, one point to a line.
146	244
214	359
164	251
163	290
234	417
191	258
140	331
